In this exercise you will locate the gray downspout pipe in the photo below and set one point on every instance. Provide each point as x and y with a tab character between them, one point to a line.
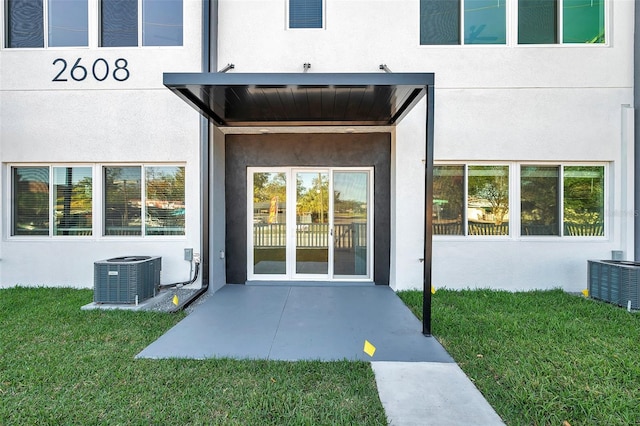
209	59
209	62
636	121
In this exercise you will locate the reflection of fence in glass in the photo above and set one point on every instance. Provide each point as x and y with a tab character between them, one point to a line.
311	235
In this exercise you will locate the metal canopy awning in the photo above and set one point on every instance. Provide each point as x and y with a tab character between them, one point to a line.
301	99
315	99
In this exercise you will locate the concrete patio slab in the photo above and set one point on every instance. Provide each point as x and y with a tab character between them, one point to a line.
300	323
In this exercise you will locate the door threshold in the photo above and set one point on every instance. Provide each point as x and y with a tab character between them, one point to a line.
312	283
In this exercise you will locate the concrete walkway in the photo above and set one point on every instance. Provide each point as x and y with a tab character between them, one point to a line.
431	393
418	382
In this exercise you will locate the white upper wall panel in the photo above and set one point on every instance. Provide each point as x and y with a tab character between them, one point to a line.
97	126
533	123
360	35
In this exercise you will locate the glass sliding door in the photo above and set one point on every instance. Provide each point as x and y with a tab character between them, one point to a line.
268	214
351	223
312	223
309	224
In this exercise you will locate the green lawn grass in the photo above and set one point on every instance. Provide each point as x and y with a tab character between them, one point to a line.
542	357
60	365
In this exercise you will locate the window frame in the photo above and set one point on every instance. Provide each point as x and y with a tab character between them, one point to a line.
515	198
140	29
4	7
143	198
512	29
94	29
51	200
98	192
288	20
461	30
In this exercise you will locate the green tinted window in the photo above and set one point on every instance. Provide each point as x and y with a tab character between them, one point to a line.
583	21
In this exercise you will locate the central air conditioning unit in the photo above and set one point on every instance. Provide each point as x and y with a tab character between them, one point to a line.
127	279
615	281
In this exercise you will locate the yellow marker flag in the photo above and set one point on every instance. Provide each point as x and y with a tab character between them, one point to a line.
433	290
369	349
175	299
585	292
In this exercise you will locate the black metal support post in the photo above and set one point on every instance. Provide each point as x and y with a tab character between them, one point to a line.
428	201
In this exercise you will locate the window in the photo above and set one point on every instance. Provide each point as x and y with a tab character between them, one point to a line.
583	200
72	195
25	26
119	23
539	200
471	200
58	200
160	21
451	22
582	21
555	200
488	200
66	23
69	210
448	200
159	209
305	14
30	201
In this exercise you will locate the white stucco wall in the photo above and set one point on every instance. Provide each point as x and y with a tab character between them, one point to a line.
510	104
91	122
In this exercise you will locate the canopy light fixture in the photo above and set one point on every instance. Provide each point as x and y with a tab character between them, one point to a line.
227	68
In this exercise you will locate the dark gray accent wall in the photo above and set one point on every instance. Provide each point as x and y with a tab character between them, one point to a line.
304	150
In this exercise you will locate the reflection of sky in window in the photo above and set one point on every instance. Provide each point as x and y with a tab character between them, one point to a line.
68	23
162	172
33	174
77	174
130	174
352	186
162	22
310	179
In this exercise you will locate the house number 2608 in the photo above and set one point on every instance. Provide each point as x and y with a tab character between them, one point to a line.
100	70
